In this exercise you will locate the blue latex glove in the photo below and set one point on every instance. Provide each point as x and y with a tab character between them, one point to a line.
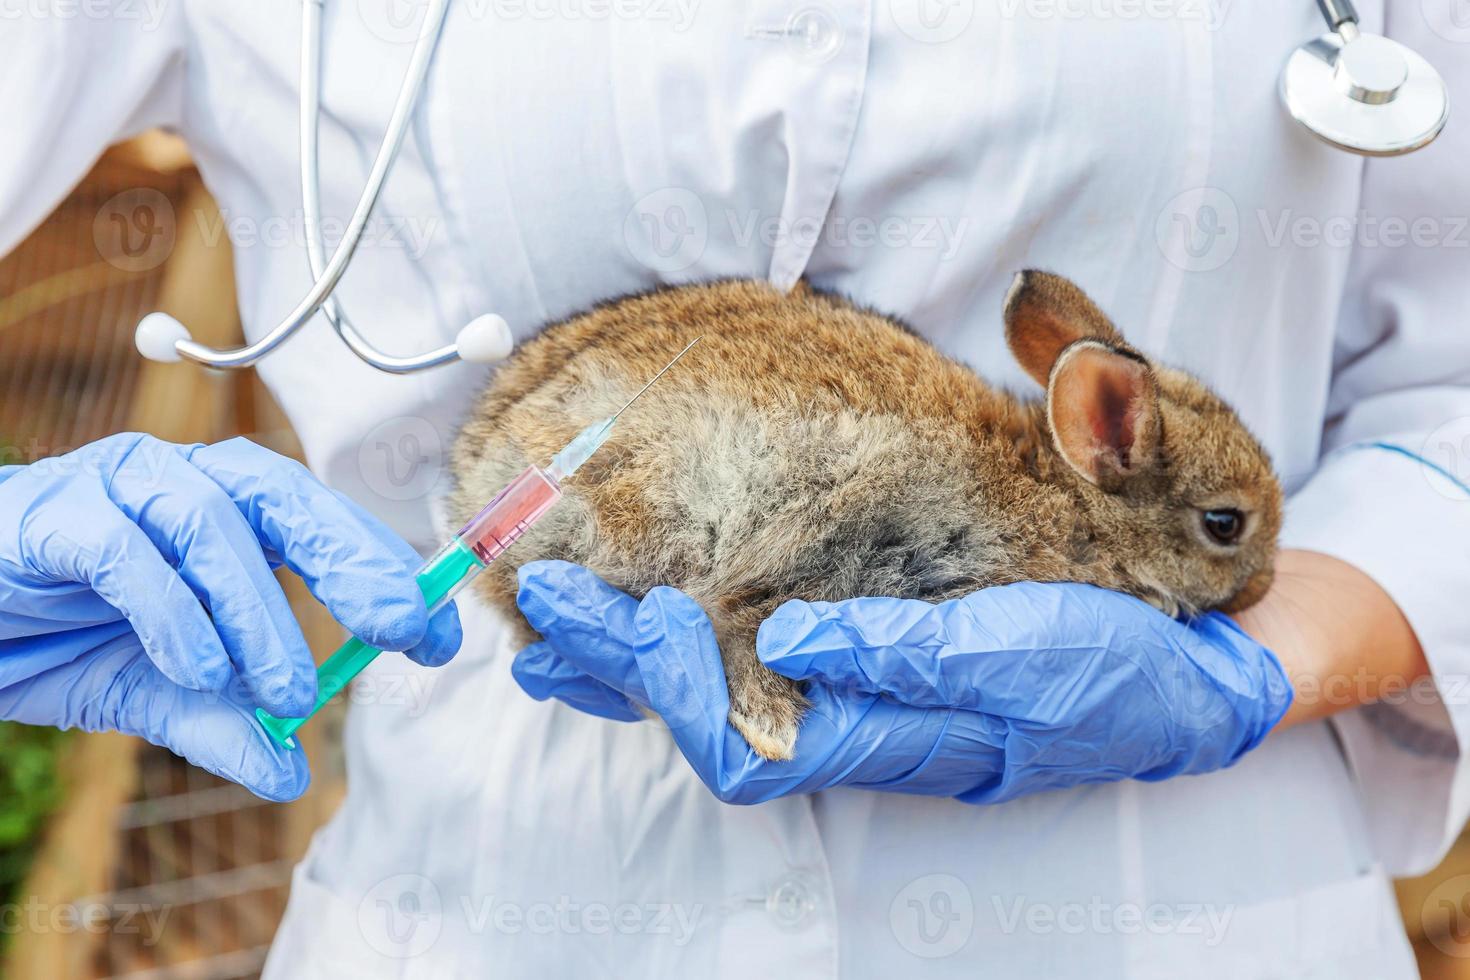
136	595
1004	692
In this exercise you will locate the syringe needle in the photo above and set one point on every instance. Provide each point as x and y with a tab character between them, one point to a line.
571	456
613	417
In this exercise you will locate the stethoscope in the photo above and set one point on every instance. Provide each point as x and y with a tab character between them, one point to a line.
485	339
1362	93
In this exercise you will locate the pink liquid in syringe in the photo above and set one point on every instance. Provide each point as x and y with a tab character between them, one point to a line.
511	514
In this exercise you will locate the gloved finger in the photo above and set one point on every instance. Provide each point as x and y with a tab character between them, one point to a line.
680	663
679	660
117	688
875	742
114	558
543	674
197	528
587	622
981	652
344	563
443	638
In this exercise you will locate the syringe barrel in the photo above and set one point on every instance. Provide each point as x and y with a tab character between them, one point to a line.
478	543
511	513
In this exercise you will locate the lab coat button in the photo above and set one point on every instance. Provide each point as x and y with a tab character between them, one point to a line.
791	901
815	34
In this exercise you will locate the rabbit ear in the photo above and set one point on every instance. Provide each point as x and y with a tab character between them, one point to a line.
1043	314
1103	408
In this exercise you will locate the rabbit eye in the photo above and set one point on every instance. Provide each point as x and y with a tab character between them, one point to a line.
1224	526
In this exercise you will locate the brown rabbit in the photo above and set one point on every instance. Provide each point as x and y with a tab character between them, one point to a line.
807	448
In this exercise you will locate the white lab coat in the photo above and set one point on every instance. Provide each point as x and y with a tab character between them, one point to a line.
910	155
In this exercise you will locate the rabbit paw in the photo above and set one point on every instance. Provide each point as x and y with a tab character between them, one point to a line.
766	709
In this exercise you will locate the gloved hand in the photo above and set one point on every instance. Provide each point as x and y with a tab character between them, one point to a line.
1002	693
136	595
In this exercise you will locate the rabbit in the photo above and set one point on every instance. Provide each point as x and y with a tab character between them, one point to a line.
810	449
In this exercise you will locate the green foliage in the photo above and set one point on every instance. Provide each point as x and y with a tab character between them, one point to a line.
30	790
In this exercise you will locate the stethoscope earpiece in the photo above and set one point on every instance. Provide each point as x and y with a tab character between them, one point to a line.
157	338
484	340
1363	93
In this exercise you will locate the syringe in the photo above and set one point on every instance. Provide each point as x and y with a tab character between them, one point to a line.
484	539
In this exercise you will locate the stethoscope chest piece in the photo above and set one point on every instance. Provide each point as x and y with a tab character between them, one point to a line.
1364	93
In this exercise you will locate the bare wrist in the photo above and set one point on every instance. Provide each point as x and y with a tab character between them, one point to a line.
1341	639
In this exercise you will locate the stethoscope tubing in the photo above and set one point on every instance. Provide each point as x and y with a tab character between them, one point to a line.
326	277
327	273
309	115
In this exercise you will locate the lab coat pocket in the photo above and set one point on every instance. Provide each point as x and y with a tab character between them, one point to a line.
1342	930
389	930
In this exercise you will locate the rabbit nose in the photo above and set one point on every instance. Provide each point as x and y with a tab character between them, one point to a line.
1252	592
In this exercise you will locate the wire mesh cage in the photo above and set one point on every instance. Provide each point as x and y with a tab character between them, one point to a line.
66	376
150	868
